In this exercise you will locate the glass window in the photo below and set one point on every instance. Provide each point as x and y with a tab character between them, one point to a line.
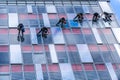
100	67
74	57
88	67
4	68
51	9
27	40
4	77
79	75
105	53
39	58
116	32
60	47
4	48
17	76
29	9
78	36
97	37
86	8
12	9
57	35
27	58
111	71
84	53
66	72
104	75
22	9
60	9
55	76
41	9
91	75
4	58
69	9
105	7
16	68
53	68
90	39
78	9
62	57
3	9
34	9
29	76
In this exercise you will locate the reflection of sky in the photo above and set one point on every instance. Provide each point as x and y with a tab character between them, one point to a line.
116	5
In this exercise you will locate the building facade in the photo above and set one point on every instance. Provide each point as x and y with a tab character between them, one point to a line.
76	52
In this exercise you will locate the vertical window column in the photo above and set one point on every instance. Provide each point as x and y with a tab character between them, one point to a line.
33	36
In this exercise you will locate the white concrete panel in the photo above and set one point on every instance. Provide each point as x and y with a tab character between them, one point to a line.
57	35
117	47
111	71
51	9
53	53
46	20
97	36
116	32
105	7
15	54
66	71
13	19
39	73
29	9
84	53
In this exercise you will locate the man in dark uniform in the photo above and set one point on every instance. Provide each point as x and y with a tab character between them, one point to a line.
107	17
62	21
21	30
79	18
44	32
96	17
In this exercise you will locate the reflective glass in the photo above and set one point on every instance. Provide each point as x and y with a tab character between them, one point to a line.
12	9
41	9
22	9
69	9
4	58
78	9
27	58
57	35
60	9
